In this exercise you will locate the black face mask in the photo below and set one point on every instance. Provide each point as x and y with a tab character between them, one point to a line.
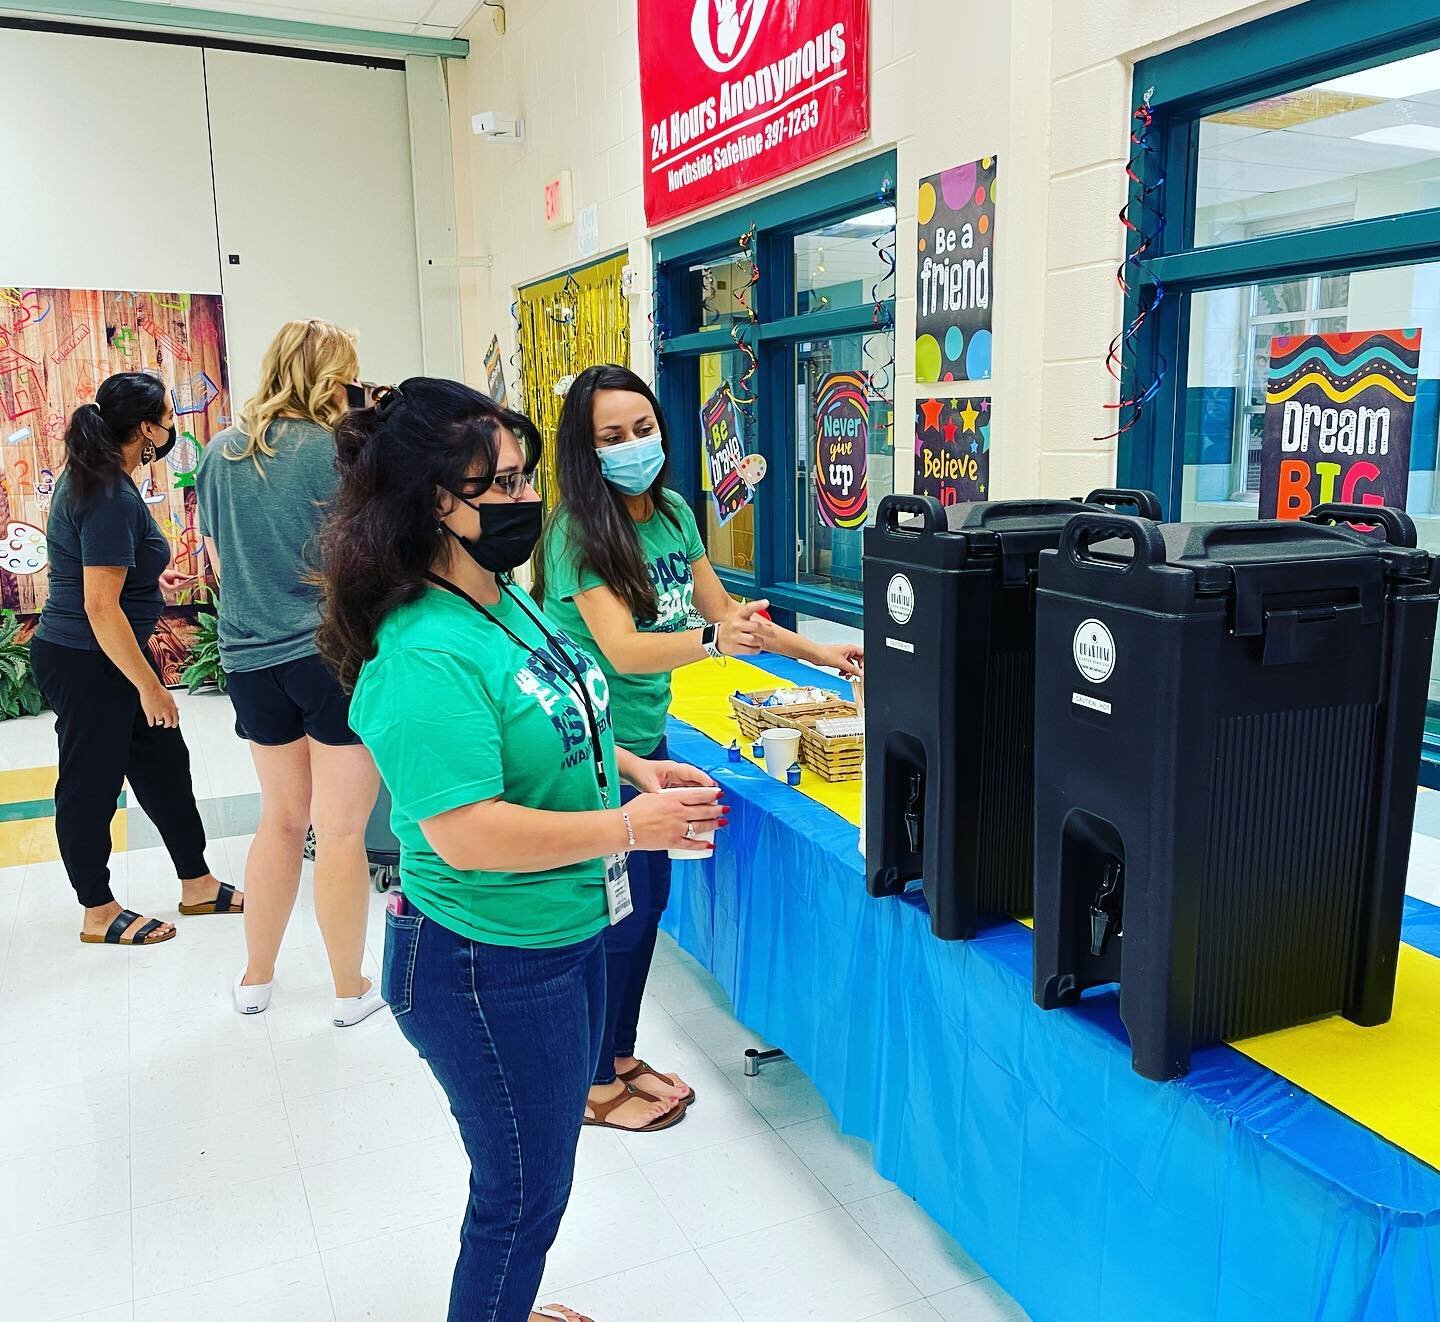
355	396
508	534
167	444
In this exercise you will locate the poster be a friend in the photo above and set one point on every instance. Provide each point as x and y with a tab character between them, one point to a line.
955	273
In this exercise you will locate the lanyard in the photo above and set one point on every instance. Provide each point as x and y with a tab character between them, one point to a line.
574	681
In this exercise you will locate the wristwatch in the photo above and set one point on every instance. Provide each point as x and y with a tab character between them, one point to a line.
710	641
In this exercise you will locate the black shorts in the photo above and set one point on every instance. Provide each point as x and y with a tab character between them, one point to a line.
280	704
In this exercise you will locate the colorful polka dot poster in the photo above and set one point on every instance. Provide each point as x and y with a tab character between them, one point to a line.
955	273
952	450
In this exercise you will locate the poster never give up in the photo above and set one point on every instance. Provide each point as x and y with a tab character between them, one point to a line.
1339	411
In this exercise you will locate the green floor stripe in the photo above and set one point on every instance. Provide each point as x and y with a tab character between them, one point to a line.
24	812
35	808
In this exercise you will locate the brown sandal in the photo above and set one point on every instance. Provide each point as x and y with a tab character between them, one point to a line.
224	902
114	935
603	1111
640	1067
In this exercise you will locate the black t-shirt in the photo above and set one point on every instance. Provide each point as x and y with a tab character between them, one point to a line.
114	529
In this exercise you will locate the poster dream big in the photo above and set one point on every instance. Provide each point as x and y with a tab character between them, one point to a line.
1339	413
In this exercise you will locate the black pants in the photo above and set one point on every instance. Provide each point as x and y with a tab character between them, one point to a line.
104	739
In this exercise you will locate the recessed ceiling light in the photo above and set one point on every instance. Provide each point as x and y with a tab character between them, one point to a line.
1419	137
1394	81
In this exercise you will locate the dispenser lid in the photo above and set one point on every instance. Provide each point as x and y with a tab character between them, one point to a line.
1012	516
1213	552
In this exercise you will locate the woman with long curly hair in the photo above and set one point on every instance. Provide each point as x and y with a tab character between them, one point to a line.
263	489
492	731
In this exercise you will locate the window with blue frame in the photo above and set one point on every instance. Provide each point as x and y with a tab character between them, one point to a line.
1298	164
818	275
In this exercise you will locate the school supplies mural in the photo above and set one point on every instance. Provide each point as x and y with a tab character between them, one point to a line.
952	449
56	347
955	273
1339	411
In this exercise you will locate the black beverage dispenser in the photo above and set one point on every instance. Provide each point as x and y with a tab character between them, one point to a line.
949	697
1228	725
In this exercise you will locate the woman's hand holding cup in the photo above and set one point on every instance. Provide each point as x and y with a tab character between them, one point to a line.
684	818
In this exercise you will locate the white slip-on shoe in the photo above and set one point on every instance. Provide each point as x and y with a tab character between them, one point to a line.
251	1000
350	1010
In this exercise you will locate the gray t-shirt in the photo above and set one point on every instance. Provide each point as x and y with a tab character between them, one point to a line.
265	528
112	528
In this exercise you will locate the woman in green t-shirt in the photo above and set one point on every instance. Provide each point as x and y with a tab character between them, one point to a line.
492	731
625	573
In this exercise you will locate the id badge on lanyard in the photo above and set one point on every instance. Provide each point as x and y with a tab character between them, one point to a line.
617	888
618	903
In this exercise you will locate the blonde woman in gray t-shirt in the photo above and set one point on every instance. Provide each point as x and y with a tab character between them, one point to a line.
263	488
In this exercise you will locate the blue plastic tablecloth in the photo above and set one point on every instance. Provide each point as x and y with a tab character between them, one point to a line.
1085	1190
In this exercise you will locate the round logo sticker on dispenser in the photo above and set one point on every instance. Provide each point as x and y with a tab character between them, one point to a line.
900	599
1094	650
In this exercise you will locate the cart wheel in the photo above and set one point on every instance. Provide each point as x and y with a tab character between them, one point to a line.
382	878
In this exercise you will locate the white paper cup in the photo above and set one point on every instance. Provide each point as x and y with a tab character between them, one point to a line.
701	837
782	749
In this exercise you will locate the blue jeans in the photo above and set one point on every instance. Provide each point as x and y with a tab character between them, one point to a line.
512	1036
630	946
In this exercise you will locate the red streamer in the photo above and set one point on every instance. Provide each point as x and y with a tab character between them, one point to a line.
1134	272
739	390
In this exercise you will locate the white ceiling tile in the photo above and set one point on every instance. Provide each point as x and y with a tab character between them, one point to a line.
373	15
451	13
1399	78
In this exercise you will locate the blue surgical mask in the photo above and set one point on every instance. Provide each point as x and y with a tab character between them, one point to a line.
632	466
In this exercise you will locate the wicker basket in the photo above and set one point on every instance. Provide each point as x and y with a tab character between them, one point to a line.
831	757
752	717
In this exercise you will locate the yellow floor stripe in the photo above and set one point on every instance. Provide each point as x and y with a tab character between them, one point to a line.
24	786
33	841
1386	1078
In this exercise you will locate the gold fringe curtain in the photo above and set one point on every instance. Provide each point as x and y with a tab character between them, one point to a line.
566	325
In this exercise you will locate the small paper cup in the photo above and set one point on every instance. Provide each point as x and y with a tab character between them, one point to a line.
782	749
701	837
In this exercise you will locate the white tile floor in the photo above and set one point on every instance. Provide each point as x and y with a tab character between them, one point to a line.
164	1160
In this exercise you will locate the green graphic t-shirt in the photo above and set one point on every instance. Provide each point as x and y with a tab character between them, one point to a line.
670	543
455	712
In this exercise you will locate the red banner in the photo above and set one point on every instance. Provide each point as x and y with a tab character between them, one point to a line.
734	92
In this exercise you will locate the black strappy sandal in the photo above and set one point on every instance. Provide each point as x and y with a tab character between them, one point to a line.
115	933
222	903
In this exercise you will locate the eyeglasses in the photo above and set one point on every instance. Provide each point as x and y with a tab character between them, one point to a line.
513	485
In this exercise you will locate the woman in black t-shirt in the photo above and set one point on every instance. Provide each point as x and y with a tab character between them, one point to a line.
109	567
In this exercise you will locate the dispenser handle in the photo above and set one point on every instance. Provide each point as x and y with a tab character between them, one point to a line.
931	511
1081	532
1146	503
1399	526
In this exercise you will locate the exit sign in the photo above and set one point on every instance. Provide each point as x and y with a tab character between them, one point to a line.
559	202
